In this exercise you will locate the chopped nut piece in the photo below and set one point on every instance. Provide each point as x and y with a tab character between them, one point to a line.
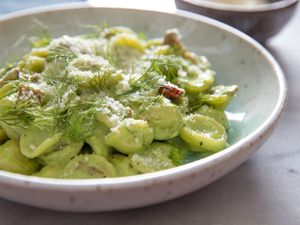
171	91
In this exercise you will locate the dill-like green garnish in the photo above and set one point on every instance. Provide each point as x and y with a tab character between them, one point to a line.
61	55
107	55
80	122
147	81
99	81
24	116
195	102
195	106
42	38
96	30
152	100
55	74
74	118
167	66
77	120
6	68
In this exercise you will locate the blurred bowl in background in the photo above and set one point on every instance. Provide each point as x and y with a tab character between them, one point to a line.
260	19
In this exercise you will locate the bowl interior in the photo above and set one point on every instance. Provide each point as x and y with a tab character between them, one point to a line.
235	60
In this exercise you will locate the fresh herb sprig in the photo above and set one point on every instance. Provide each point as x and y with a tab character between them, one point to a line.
42	37
61	55
152	100
99	81
167	66
77	120
24	116
96	30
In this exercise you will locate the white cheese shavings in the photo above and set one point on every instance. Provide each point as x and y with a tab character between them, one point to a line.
43	88
114	104
65	98
90	62
128	122
194	69
161	81
123	86
182	73
88	66
75	44
112	112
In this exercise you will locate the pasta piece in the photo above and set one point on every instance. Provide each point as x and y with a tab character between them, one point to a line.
12	132
112	112
36	142
220	97
217	114
196	80
62	155
158	156
125	49
11	159
122	165
6	90
202	132
40	52
130	136
165	119
11	74
96	141
34	63
88	166
86	68
154	43
110	32
3	136
50	171
7	124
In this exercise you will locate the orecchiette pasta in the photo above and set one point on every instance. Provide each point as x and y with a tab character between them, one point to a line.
109	103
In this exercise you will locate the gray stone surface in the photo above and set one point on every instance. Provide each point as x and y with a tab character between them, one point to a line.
263	191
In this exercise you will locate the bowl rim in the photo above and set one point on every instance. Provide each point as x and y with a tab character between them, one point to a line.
19	180
264	7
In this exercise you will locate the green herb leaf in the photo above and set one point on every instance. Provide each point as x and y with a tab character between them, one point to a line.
42	38
61	55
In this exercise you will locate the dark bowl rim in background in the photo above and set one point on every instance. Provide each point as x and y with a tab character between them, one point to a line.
264	7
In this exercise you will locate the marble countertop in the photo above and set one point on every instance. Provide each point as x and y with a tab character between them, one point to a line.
265	190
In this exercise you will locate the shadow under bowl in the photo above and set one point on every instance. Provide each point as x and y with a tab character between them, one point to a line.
260	21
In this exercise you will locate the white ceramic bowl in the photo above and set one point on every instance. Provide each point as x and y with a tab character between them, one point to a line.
237	59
